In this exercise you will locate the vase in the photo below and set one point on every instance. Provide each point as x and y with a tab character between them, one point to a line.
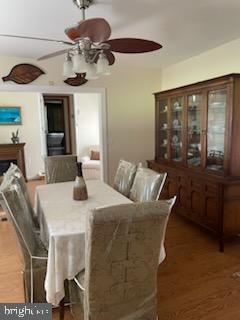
15	139
79	188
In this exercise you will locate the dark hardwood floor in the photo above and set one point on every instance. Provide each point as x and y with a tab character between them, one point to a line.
195	282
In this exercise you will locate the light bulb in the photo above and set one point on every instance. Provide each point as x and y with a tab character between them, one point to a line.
68	68
79	63
91	73
103	65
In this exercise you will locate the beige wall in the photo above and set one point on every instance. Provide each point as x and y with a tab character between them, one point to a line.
29	131
130	106
131	117
213	63
87	121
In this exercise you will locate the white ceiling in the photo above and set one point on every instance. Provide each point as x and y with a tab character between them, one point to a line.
184	27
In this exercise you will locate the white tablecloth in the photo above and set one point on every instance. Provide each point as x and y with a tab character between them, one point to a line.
62	229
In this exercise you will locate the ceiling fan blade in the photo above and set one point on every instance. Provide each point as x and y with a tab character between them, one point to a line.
54	54
132	45
110	57
97	29
34	38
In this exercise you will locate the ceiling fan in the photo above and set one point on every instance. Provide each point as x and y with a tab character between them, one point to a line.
91	50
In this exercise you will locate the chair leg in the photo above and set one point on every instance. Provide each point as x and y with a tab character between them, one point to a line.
24	287
61	309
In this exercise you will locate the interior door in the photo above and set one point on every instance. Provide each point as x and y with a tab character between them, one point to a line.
44	128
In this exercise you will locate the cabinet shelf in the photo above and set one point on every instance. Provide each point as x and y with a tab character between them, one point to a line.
215	132
176	129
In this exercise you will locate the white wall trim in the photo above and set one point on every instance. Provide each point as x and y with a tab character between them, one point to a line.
49	89
70	90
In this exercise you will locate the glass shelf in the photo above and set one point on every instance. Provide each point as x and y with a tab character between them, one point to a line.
215	132
177	159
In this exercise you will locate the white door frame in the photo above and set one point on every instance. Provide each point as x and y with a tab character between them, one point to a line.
71	90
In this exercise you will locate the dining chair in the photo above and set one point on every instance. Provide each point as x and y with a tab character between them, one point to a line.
34	254
60	168
15	172
124	177
123	246
147	185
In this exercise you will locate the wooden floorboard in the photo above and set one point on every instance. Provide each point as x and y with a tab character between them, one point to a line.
195	282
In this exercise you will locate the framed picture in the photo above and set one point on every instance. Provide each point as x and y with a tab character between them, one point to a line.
10	115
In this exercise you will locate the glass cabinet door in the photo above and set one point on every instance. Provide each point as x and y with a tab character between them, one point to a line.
194	110
163	129
176	128
216	128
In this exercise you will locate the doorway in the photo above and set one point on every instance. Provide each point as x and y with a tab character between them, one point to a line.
36	145
58	128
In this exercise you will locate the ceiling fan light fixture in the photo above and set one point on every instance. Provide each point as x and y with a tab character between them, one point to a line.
103	65
68	68
79	63
91	73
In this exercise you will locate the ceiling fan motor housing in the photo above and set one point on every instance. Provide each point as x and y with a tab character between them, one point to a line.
82	4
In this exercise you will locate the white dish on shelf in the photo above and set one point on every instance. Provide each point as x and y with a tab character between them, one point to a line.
175	139
176	123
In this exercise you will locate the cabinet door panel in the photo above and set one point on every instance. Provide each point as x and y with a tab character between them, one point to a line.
194	118
172	188
196	200
165	191
163	136
176	129
183	199
216	123
212	212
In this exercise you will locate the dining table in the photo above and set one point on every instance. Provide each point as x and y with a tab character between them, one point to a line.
62	229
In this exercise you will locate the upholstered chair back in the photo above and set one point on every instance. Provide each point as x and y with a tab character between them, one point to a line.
15	174
147	185
33	253
60	168
123	245
124	177
14	203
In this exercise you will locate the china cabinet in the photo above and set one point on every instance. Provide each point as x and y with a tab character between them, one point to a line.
197	143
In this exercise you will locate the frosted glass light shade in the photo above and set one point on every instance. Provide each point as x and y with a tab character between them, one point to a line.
68	68
79	63
103	65
91	73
